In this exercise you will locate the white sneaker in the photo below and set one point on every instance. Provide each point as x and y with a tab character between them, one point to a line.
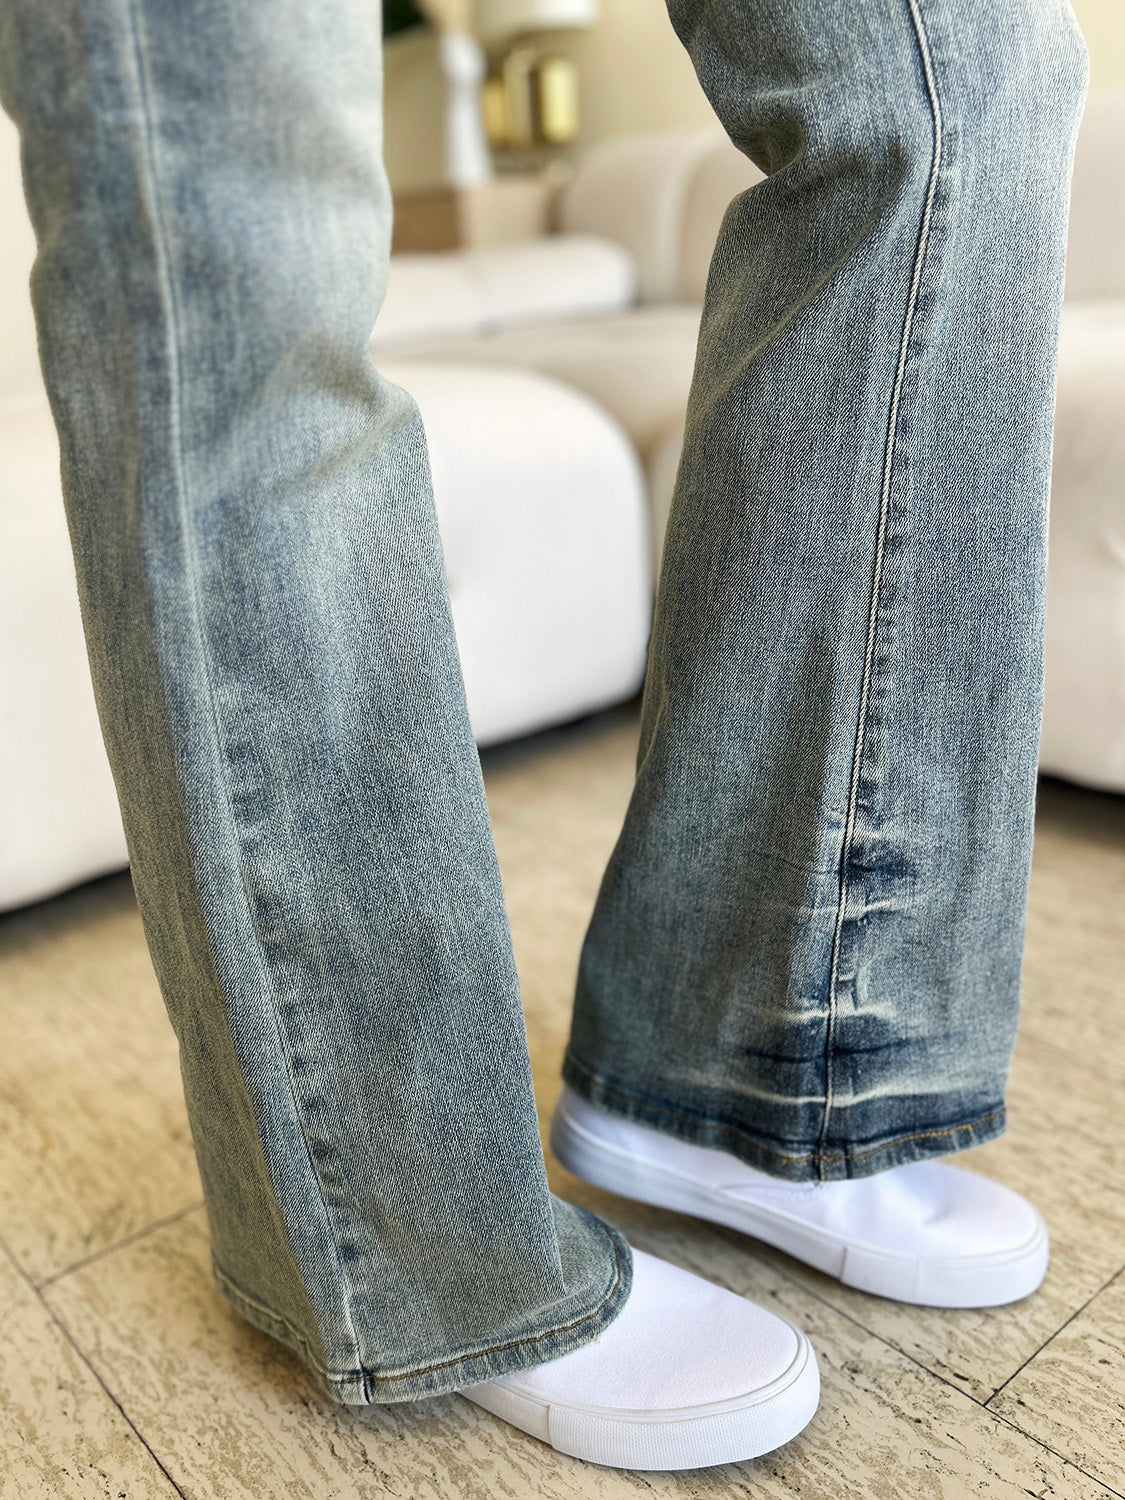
687	1374
924	1232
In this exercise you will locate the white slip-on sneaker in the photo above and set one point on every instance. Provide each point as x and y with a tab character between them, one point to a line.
687	1375
924	1232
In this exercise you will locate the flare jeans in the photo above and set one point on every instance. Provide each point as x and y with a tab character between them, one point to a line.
806	948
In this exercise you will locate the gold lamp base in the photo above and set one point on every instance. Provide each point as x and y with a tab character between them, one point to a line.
530	103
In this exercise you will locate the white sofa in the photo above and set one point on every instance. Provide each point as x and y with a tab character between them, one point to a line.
552	378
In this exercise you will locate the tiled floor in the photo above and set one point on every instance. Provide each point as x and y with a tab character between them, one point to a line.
123	1373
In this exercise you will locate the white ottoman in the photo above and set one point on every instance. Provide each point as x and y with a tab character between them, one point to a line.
1084	714
58	811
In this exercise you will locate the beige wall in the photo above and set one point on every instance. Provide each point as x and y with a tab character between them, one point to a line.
634	74
1103	25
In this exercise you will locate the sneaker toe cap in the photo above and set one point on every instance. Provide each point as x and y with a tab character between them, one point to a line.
725	1348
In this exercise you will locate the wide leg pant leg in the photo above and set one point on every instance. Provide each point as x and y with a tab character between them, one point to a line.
806	949
261	582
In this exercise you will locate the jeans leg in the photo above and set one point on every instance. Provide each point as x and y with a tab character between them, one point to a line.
806	948
261	581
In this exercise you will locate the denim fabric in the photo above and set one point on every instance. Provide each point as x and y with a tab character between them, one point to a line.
806	949
807	945
261	580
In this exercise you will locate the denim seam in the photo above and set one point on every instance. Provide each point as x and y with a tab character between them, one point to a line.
372	1377
818	1155
167	290
877	577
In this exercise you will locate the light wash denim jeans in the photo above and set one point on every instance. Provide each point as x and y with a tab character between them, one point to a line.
807	946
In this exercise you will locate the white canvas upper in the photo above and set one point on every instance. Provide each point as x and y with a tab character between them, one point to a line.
688	1374
923	1232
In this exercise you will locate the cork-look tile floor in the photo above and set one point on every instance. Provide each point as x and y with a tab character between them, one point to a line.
123	1372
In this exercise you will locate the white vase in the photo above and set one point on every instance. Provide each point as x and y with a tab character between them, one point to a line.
467	158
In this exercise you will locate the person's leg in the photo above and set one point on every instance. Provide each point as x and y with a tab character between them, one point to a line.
806	948
261	582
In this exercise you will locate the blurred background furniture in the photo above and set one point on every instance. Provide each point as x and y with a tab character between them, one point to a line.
552	375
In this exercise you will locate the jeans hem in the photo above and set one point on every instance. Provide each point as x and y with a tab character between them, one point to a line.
363	1387
863	1159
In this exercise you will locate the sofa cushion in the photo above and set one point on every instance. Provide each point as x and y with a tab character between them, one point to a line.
59	821
637	365
544	527
449	292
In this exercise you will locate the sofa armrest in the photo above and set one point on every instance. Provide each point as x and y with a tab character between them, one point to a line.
661	194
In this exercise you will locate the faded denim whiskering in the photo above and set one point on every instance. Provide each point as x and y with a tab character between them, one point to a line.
807	945
806	949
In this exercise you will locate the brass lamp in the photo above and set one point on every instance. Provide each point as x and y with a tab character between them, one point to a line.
530	98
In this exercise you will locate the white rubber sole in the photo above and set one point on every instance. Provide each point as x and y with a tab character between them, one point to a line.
954	1282
691	1438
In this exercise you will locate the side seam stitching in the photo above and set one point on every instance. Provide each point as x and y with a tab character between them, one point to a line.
880	548
161	240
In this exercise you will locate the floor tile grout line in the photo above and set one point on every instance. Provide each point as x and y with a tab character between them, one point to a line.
122	1244
871	1332
84	1357
997	1416
1077	1313
1071	1463
732	1236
